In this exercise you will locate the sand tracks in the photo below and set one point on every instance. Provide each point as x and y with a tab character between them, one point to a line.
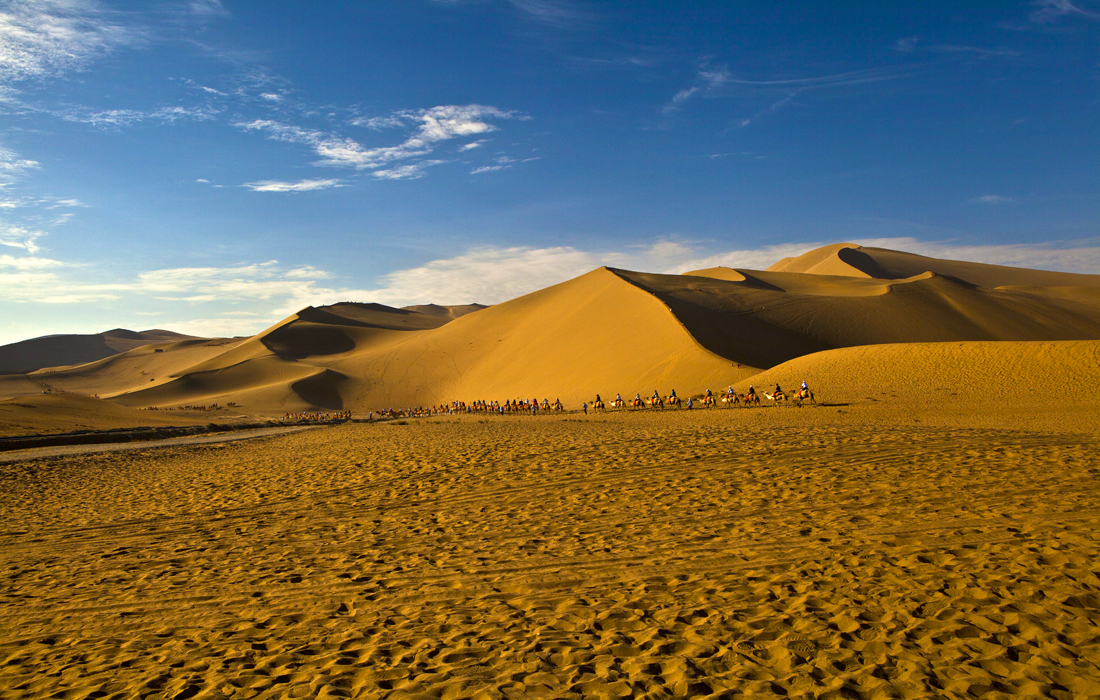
655	555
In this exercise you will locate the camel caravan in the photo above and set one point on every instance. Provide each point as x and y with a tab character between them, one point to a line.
729	399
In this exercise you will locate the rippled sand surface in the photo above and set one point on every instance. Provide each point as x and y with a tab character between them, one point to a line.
780	553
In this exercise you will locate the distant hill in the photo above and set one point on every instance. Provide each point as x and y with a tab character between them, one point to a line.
58	350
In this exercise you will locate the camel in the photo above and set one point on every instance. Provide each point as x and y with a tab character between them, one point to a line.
778	397
803	395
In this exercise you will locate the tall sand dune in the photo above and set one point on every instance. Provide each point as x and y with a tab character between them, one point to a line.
596	333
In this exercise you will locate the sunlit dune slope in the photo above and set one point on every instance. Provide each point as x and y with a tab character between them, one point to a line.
148	365
772	317
12	385
946	374
448	312
849	259
596	333
60	350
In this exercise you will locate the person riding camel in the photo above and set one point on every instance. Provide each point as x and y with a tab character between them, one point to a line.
618	398
656	395
752	391
805	389
638	396
778	391
709	394
673	394
597	401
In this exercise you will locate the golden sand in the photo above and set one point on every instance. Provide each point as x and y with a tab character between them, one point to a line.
816	553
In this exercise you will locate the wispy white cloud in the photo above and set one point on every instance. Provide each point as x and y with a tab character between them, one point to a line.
126	117
472	145
27	263
707	81
430	127
1048	11
979	50
910	44
41	38
554	12
992	199
411	171
20	237
499	163
208	8
906	44
300	186
557	13
12	166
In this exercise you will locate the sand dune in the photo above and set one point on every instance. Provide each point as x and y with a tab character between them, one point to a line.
849	259
610	331
563	342
147	365
61	350
772	317
992	374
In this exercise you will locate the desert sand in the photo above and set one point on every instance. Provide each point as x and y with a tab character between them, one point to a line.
929	528
827	552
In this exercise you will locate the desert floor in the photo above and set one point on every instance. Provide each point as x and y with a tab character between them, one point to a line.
825	552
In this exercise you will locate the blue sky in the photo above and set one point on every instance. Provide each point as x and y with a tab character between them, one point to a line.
210	167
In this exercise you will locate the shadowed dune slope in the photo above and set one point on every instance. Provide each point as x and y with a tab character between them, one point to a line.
849	259
946	374
61	350
410	318
772	317
595	333
277	368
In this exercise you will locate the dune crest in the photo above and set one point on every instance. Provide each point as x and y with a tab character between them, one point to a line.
851	260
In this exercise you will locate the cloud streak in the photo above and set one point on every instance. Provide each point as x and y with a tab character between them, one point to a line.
43	38
1050	11
300	186
430	128
127	117
12	166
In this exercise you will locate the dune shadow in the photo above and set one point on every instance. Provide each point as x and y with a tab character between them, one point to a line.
321	389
